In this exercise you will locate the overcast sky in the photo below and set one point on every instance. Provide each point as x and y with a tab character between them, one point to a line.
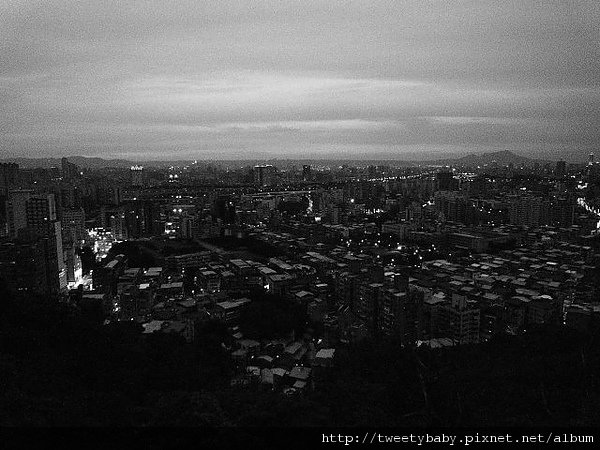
291	79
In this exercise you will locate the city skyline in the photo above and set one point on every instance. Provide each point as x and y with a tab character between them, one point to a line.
267	222
323	290
300	80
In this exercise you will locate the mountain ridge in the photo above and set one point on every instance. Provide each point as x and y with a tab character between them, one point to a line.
503	157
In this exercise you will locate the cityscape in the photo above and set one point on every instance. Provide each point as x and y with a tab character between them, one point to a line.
283	268
342	281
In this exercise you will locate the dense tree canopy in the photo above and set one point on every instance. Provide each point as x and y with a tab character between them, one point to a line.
57	369
137	255
271	316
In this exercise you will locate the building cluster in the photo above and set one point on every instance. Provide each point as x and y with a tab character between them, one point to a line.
38	242
424	256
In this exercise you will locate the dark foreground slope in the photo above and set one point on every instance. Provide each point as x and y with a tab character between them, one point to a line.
58	368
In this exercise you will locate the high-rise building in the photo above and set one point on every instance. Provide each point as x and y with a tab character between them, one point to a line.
9	177
137	176
414	212
69	170
106	276
368	303
445	180
3	216
113	219
186	229
73	223
23	264
561	169
73	263
16	209
455	206
525	210
306	172
458	320
109	195
264	175
56	240
141	218
41	212
42	218
401	314
68	196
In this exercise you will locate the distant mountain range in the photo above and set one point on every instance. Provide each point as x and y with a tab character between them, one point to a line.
472	160
81	161
502	158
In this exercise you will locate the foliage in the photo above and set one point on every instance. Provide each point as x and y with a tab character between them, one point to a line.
58	370
137	255
271	316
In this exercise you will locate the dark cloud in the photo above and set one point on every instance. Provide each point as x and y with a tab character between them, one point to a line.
233	78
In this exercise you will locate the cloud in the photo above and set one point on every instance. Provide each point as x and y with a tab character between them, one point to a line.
223	78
